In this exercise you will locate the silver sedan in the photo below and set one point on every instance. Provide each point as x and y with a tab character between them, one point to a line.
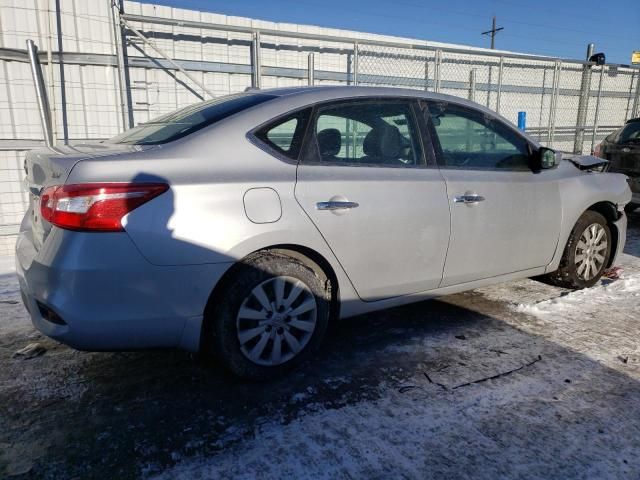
242	226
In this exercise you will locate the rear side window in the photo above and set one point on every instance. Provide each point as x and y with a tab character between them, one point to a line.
187	120
367	132
285	135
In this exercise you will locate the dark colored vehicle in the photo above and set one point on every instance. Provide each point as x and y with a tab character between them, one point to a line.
622	149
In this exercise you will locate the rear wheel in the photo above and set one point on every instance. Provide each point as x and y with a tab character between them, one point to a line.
271	316
586	254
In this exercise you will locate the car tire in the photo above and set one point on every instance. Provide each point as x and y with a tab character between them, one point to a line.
576	270
253	336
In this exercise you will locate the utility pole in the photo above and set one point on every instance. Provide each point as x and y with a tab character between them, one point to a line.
493	32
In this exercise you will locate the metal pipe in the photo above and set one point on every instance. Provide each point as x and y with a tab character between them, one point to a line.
50	77
583	102
597	112
256	64
636	103
554	103
125	105
166	57
499	94
41	92
310	69
438	62
472	84
355	63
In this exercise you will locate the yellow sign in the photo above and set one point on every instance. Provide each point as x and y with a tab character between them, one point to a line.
635	57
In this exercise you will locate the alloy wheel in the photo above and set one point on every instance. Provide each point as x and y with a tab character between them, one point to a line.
590	251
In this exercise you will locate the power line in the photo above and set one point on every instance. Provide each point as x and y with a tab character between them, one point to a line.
493	32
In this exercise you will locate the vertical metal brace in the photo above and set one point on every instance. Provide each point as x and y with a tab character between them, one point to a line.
597	112
125	105
636	103
426	71
311	69
256	61
41	92
438	63
356	62
554	103
472	84
500	72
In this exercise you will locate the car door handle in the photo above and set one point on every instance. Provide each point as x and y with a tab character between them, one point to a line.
468	198
333	205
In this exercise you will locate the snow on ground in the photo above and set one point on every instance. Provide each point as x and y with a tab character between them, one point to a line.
509	381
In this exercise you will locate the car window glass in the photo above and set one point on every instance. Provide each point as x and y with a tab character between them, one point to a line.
285	134
187	120
369	133
470	140
630	133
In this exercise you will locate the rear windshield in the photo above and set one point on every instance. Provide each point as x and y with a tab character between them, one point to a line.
187	120
630	133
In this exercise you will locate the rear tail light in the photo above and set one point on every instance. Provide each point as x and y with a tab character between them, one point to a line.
97	207
597	151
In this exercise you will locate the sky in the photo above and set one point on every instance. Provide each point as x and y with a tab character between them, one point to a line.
560	28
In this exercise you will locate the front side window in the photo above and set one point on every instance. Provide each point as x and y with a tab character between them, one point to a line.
469	139
367	133
187	120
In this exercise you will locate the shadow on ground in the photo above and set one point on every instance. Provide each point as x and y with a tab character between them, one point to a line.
500	400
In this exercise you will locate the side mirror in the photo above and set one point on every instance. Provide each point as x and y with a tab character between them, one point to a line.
544	159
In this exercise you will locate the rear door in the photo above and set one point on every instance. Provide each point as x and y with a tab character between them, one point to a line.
504	217
382	208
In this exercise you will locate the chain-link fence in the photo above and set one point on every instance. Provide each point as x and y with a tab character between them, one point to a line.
110	64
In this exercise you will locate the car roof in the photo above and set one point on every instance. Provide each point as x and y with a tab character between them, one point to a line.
633	120
314	94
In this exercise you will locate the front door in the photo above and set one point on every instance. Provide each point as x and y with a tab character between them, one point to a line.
504	217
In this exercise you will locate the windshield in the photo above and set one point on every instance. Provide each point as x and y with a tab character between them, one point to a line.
630	133
187	120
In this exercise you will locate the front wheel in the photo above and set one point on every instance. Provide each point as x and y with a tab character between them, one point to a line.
271	316
586	254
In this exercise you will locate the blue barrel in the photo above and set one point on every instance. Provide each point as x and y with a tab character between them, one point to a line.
522	121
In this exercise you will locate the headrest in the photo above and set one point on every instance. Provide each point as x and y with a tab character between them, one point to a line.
383	141
329	142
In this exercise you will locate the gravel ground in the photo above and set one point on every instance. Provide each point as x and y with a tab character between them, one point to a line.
519	380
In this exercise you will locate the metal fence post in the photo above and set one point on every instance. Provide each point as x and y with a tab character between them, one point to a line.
41	93
354	78
500	72
438	63
635	111
123	75
597	112
583	102
557	70
311	69
256	64
472	84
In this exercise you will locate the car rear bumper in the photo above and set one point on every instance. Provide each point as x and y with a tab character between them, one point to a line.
105	296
